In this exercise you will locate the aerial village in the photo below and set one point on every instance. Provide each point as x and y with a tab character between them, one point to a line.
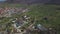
29	16
18	22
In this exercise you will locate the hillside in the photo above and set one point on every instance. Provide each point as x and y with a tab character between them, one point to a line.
47	15
34	1
52	12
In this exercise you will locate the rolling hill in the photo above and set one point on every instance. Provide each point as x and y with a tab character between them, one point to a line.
34	1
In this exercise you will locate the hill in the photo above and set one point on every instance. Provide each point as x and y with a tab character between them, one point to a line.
35	1
51	12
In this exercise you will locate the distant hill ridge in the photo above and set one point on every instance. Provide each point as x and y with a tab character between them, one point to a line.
34	1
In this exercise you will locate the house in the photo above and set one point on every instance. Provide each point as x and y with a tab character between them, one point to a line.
17	24
40	27
8	11
26	18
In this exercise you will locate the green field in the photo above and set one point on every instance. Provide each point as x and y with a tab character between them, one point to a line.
50	11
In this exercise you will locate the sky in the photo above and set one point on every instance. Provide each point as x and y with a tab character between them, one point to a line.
2	0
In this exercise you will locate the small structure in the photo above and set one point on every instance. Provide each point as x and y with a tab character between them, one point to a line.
42	28
18	23
8	11
26	18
